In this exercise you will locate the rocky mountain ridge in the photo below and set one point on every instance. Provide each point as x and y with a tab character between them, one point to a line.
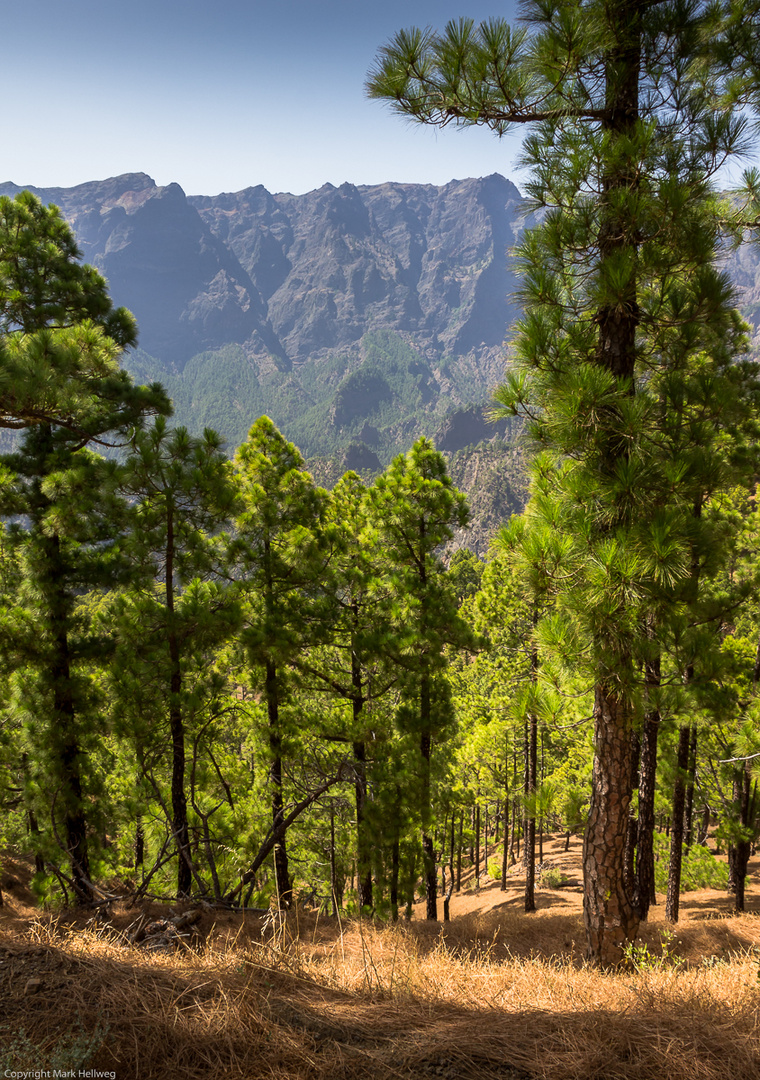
358	318
294	276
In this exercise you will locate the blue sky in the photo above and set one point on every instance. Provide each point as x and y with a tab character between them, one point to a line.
221	97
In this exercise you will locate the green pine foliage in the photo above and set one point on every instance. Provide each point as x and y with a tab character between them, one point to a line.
220	681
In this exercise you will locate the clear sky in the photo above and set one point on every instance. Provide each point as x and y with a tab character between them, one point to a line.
220	97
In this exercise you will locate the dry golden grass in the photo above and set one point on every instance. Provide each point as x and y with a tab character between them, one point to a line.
494	993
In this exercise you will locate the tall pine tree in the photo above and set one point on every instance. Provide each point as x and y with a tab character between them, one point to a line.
626	135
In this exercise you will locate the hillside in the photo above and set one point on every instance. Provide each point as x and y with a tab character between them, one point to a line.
493	995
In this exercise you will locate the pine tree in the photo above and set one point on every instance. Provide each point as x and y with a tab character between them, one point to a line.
626	137
66	546
353	666
60	341
56	323
178	610
415	509
280	559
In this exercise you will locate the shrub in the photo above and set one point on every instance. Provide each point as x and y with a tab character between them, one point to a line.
553	878
699	869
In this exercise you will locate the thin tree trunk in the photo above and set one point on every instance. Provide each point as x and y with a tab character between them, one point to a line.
529	853
281	872
396	855
176	723
485	840
139	845
363	856
689	806
333	870
477	846
676	840
644	890
741	851
513	830
394	878
505	846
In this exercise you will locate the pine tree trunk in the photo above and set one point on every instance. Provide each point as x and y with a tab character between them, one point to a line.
139	845
363	849
459	851
476	879
631	835
689	807
485	839
676	840
176	724
742	848
428	848
281	872
179	800
609	915
70	755
333	868
363	856
644	890
505	846
529	853
396	855
513	825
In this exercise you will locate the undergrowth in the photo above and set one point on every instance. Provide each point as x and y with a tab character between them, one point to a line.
309	998
699	867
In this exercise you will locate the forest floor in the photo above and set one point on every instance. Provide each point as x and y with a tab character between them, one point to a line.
494	994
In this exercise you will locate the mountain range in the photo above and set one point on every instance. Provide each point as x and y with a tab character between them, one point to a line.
358	318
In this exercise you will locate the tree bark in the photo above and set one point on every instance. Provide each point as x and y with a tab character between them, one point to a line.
363	850
281	872
505	846
644	890
609	915
476	861
428	847
333	873
741	849
689	807
363	856
676	838
176	723
529	844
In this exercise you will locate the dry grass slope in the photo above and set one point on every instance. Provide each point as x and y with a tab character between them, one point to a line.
494	994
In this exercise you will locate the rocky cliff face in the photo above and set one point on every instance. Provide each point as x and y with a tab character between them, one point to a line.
349	309
358	318
294	277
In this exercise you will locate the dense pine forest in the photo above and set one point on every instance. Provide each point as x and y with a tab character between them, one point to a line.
228	690
230	694
222	681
